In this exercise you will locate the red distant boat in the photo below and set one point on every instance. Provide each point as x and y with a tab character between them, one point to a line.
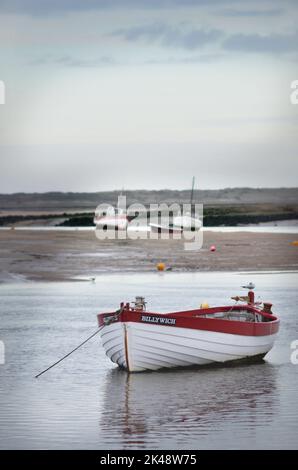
138	340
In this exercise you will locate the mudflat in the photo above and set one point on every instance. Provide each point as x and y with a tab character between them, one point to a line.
57	255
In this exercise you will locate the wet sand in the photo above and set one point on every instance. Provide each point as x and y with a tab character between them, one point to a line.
67	255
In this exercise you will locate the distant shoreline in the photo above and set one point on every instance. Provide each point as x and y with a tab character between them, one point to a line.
222	207
228	216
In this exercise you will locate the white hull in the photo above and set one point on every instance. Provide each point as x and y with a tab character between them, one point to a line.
155	228
173	229
138	347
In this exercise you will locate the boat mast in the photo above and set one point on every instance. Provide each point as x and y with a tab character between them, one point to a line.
191	195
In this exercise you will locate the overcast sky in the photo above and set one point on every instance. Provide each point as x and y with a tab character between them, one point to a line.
145	94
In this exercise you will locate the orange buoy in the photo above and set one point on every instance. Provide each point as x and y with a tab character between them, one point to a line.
212	248
160	266
295	243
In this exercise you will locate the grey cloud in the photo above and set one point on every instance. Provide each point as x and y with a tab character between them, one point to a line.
273	43
171	36
251	13
201	59
45	7
69	61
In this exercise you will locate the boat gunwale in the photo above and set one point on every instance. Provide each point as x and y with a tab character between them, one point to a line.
200	312
225	309
194	320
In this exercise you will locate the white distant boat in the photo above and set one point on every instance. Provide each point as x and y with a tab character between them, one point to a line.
180	223
108	217
138	340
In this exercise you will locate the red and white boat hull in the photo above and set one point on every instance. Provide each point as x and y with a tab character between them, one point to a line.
137	349
138	345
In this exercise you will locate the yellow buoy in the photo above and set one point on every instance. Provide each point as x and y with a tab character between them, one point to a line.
160	266
204	305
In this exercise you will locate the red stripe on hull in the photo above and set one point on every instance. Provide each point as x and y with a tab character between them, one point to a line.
191	320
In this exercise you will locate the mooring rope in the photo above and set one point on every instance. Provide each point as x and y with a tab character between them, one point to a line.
68	354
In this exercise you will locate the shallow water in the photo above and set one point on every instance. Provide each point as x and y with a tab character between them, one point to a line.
258	228
85	402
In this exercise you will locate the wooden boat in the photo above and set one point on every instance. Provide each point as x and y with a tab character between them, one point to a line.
138	340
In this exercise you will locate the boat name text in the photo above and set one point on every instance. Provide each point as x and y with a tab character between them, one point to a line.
160	320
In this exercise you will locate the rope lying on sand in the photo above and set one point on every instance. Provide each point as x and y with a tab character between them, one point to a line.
68	354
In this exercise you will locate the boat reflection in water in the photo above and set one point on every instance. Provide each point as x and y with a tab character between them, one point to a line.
215	407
